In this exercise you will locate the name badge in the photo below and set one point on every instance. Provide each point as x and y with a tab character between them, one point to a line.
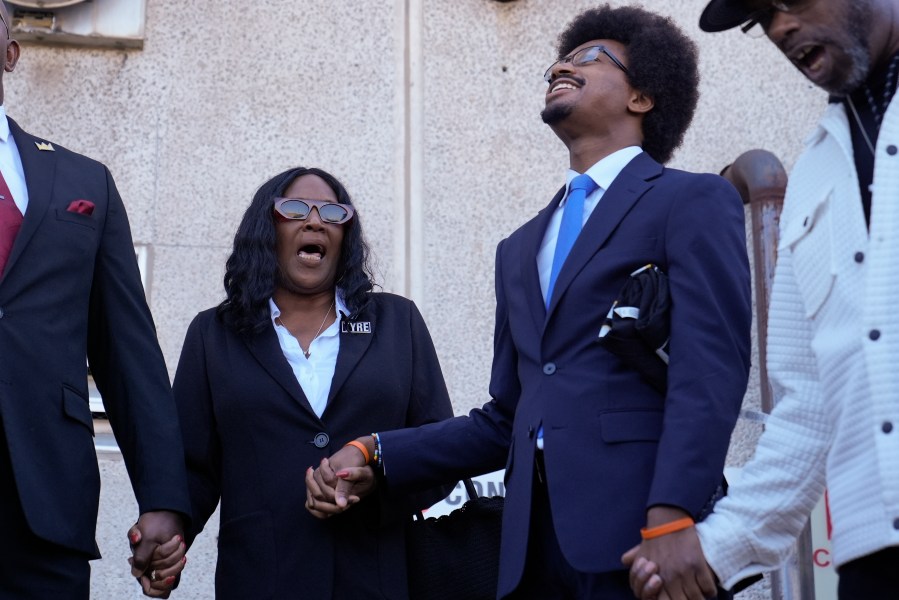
355	327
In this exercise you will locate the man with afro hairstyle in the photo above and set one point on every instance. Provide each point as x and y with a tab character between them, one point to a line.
593	452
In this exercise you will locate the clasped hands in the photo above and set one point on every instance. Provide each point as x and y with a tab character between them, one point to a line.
671	566
158	552
339	482
668	567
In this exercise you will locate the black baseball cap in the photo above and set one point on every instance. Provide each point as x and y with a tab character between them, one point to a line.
723	14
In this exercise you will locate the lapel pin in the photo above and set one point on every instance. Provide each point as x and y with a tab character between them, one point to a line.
45	146
355	327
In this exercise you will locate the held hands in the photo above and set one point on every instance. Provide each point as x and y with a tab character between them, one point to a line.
339	482
671	566
159	552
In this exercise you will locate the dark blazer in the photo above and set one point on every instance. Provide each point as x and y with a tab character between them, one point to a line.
614	445
250	434
72	289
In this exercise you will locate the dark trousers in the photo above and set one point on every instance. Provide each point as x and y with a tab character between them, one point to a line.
872	576
32	568
548	576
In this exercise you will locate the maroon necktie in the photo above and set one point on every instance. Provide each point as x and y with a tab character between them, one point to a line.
10	221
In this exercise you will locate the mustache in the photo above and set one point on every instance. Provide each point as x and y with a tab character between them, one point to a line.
572	77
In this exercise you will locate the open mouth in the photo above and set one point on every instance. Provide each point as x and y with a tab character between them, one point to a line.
312	253
561	84
810	58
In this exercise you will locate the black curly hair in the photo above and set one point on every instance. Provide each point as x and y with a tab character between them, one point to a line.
662	63
251	271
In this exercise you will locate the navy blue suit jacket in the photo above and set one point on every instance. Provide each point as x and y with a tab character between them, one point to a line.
72	288
614	446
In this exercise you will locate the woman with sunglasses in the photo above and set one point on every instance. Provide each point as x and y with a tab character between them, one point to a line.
300	358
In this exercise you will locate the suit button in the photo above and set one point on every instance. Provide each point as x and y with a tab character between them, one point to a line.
859	257
321	440
896	524
887	427
891	150
549	368
874	334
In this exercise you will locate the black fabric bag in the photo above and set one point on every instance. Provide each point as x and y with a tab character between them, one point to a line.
456	555
638	325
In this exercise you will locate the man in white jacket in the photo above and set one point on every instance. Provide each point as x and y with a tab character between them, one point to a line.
833	337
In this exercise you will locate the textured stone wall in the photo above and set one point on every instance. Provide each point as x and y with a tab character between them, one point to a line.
427	109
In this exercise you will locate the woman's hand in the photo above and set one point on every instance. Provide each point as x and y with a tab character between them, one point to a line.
338	483
166	564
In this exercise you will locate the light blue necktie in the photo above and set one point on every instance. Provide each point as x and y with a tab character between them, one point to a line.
572	222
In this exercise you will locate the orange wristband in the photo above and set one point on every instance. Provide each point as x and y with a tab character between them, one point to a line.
678	524
361	447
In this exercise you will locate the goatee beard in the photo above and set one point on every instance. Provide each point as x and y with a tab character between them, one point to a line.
555	113
860	19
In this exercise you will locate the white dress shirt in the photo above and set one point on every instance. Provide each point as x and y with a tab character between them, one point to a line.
603	173
316	372
11	164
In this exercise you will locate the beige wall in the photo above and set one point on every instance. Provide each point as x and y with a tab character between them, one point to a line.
427	109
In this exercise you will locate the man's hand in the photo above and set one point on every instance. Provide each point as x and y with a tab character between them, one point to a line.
670	567
157	537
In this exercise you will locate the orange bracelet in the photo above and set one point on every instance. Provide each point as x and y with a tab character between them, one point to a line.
361	447
678	524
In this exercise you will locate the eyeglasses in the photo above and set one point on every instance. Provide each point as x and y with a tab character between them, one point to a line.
5	24
760	20
298	209
583	57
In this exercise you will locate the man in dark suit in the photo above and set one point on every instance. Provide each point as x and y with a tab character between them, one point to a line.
70	287
592	451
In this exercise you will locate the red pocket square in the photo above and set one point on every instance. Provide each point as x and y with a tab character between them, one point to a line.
82	207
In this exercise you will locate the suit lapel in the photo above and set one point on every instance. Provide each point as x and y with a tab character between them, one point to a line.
352	348
40	169
616	202
266	348
532	238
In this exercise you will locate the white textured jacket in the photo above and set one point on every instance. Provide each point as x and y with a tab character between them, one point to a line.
833	359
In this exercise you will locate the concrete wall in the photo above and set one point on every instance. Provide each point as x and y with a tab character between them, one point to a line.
427	109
